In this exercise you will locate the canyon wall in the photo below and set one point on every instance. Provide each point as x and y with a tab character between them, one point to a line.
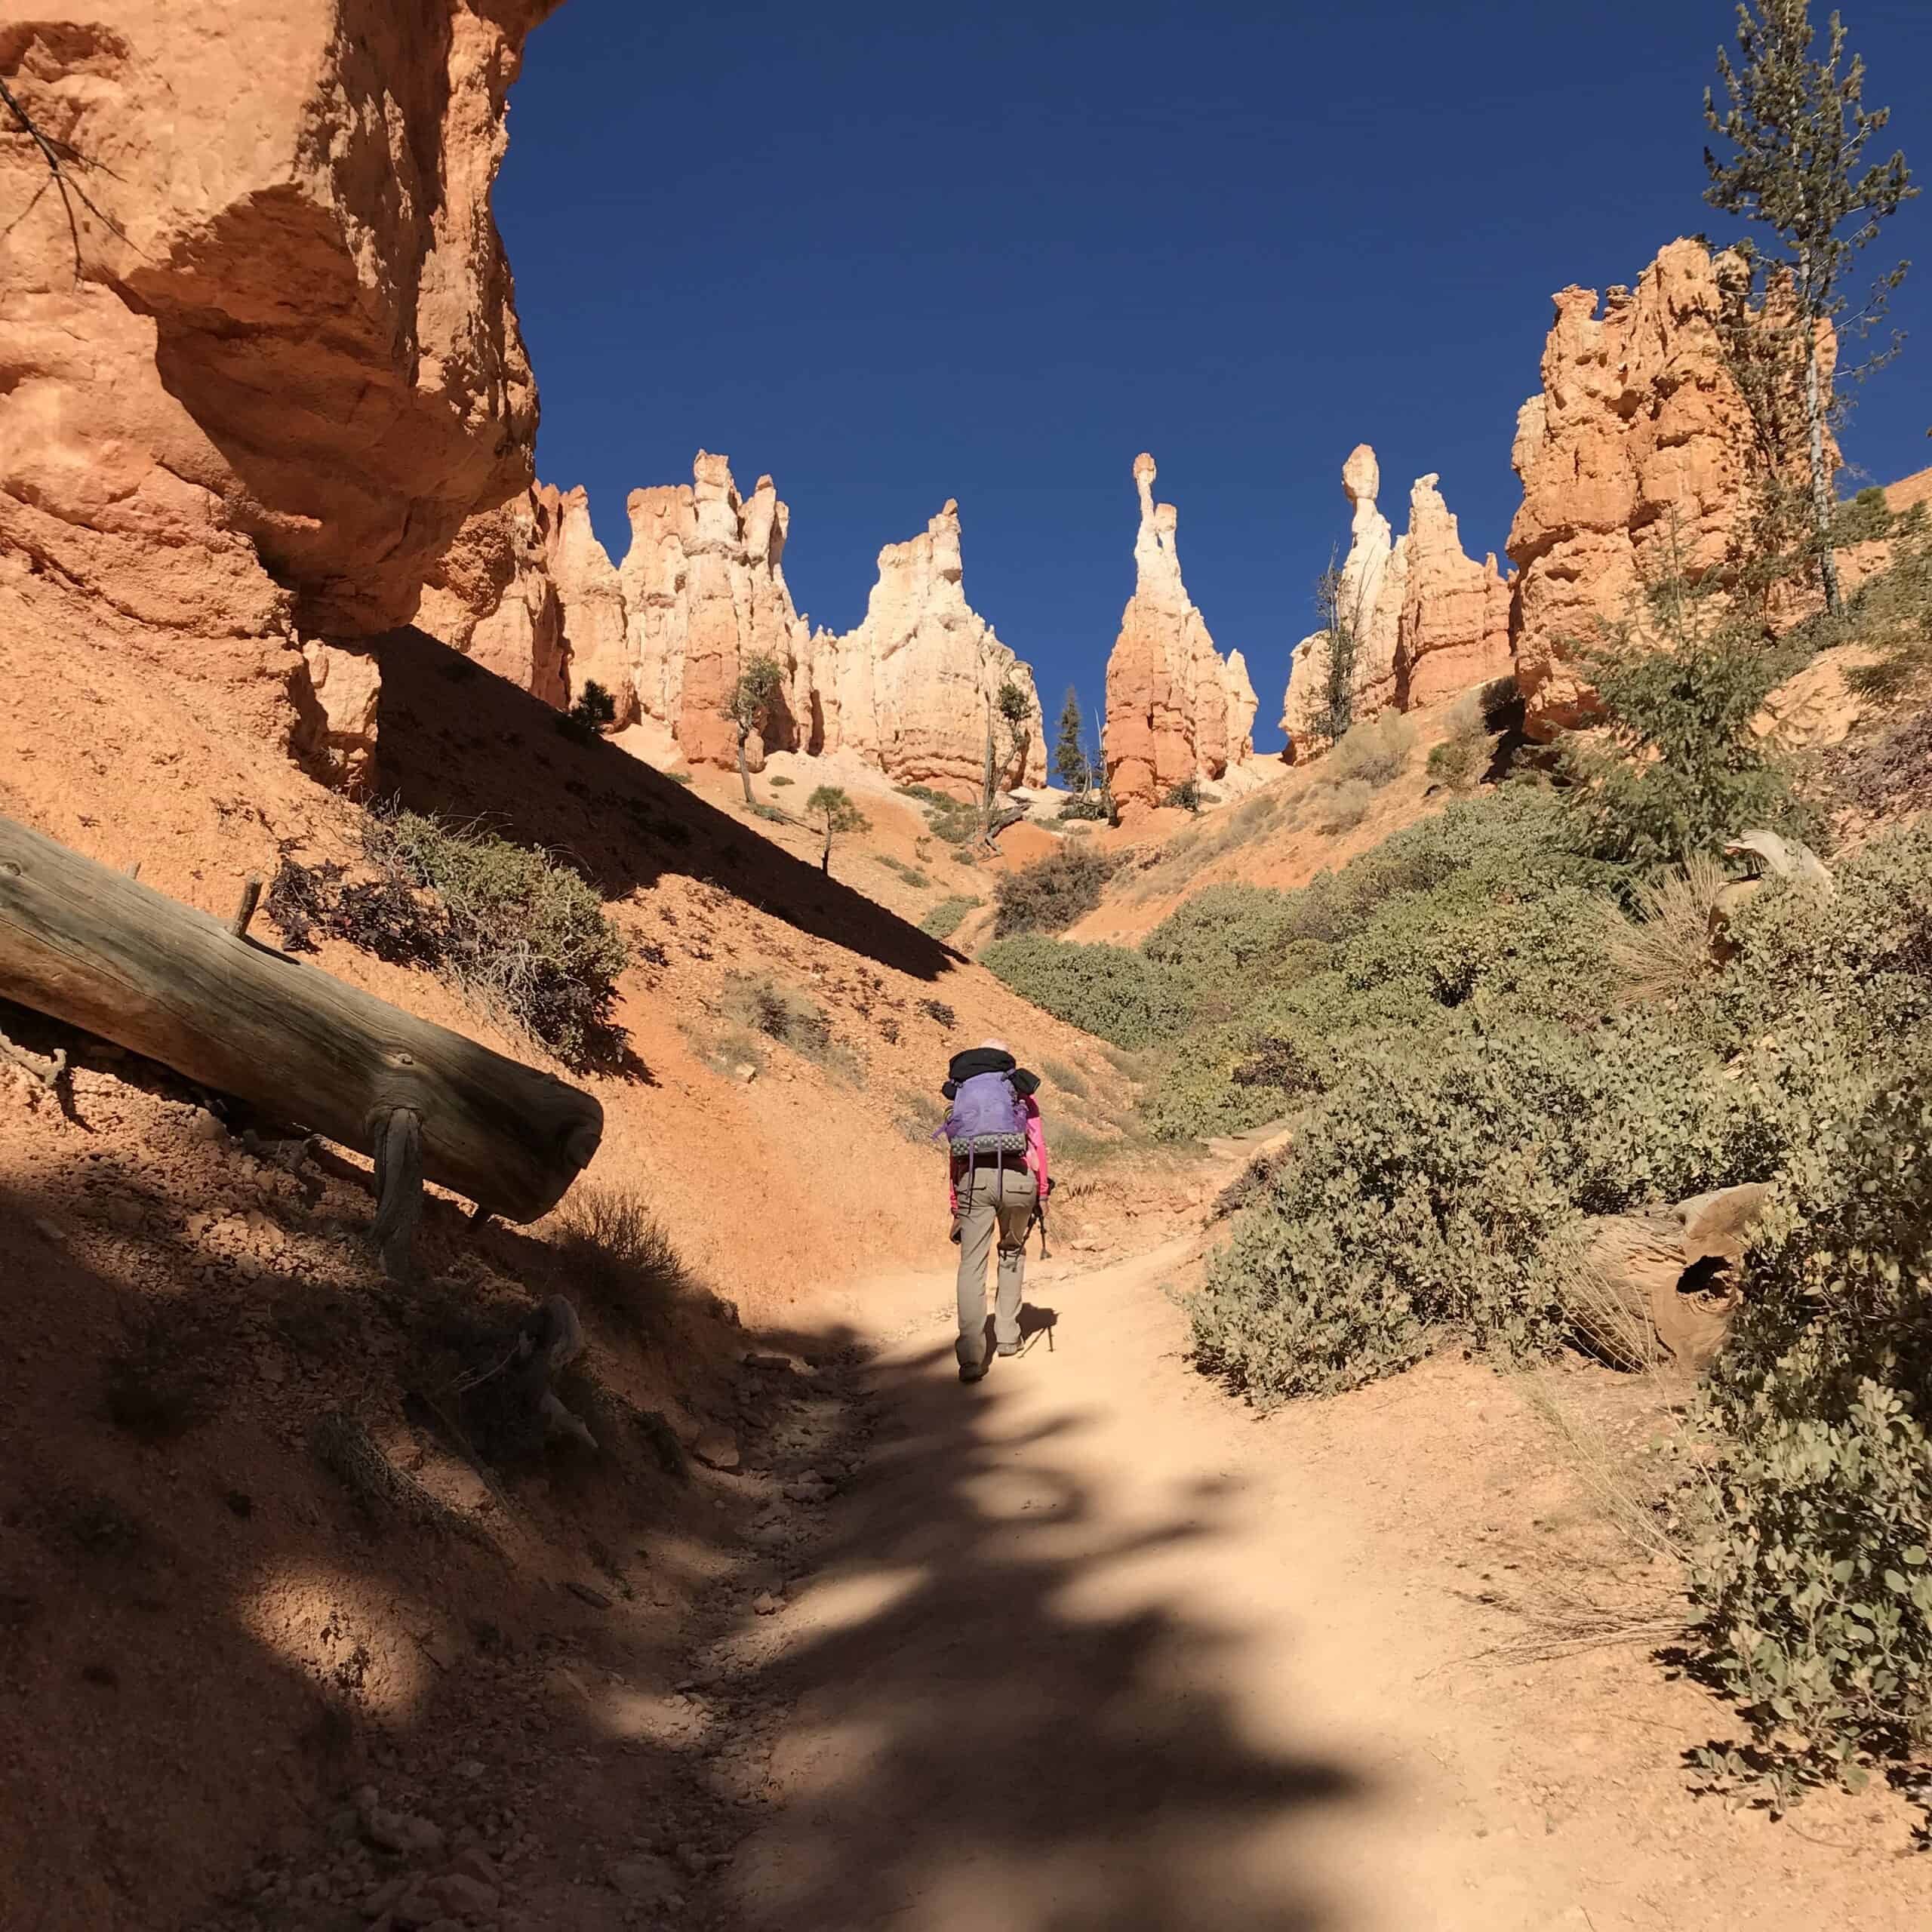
1176	712
1427	621
256	392
529	591
492	595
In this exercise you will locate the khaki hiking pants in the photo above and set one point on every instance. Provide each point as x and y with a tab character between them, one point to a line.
993	1196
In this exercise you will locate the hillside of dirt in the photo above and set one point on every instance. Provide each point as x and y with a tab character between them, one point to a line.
189	1583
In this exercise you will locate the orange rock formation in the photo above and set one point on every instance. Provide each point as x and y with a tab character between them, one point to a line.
1176	711
913	690
1638	442
1428	621
289	370
492	595
704	591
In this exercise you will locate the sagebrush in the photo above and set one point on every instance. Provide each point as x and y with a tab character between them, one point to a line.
522	934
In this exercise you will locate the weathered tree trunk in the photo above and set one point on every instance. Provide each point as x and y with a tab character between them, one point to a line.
1653	1289
744	765
88	945
1821	484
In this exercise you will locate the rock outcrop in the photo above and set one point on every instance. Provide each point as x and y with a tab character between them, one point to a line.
256	396
1176	711
493	596
1426	621
590	600
703	591
1454	632
913	690
1638	442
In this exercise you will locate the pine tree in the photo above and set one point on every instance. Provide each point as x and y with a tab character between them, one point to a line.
748	704
1797	129
1070	763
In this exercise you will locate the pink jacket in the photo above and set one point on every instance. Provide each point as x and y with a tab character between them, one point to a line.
1036	1157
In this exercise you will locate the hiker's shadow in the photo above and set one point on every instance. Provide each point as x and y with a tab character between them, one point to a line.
1033	1322
1037	1321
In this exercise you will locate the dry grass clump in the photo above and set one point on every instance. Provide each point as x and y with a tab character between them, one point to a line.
1339	808
763	1009
618	1258
1665	951
1375	753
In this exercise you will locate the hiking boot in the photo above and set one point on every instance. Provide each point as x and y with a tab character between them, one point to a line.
1012	1348
973	1374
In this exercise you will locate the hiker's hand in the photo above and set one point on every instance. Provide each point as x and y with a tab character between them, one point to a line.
952	1234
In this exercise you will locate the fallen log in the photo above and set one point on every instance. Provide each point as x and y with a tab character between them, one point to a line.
85	944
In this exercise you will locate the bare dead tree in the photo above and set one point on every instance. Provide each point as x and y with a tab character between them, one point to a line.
65	164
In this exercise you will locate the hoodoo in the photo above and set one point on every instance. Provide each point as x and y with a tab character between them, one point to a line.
915	688
1426	621
1176	712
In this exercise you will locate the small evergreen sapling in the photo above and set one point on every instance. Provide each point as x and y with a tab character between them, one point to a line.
830	807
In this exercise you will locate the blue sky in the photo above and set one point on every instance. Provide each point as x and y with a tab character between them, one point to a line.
893	256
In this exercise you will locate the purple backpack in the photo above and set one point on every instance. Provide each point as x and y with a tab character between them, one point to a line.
987	1117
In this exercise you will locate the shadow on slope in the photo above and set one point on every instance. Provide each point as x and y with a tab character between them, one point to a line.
460	741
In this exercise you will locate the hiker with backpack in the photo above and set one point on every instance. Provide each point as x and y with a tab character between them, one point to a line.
997	1153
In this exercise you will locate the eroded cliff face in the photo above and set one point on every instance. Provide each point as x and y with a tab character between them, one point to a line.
913	690
1176	711
1428	621
1638	444
285	370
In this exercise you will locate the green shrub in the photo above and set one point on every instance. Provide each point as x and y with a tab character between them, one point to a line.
1110	991
594	709
1423	1196
1815	1585
1184	797
943	920
911	874
779	778
1049	895
1090	806
523	935
1681	769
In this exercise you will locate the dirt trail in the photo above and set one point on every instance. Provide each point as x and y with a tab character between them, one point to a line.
1088	1646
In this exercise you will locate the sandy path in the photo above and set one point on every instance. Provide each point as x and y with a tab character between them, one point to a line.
1089	1647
